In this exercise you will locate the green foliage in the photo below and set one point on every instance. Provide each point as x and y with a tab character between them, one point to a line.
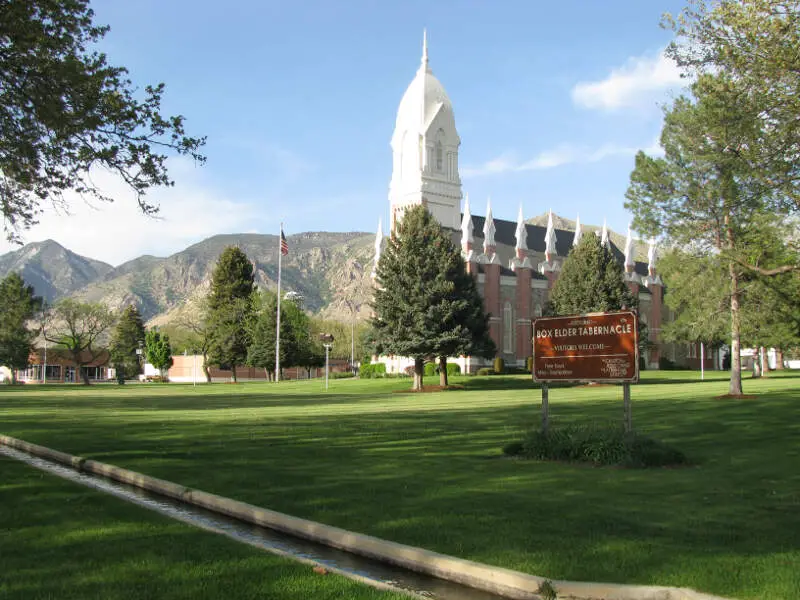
158	350
483	372
342	331
430	369
78	327
341	375
127	336
372	371
591	280
426	304
65	111
499	365
230	309
453	369
18	305
596	445
547	590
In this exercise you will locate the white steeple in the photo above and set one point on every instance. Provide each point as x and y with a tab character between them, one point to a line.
578	232
488	229
630	250
425	150
652	257
467	227
550	239
378	247
604	236
522	232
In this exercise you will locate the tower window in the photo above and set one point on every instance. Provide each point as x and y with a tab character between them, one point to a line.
439	157
508	329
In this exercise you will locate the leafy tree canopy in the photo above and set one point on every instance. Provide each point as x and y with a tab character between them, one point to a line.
64	110
125	341
158	350
18	305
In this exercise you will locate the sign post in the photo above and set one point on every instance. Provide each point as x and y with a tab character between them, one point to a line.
587	348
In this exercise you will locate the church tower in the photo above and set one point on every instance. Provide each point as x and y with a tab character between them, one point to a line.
425	151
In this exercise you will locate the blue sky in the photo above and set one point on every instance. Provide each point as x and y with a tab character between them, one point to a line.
298	100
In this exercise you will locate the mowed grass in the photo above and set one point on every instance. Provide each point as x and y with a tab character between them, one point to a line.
426	469
62	540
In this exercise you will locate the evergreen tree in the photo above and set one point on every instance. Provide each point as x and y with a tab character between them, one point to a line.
591	280
18	305
128	334
230	309
261	333
158	350
426	305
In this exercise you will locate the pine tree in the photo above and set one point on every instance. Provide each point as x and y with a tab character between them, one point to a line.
18	305
158	350
230	309
426	304
127	337
261	333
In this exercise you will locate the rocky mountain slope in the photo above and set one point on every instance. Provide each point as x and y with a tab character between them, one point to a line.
51	269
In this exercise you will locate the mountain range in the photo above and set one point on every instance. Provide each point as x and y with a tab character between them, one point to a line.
330	271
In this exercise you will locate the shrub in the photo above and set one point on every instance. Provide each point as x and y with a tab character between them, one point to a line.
369	371
429	370
485	371
529	364
341	375
666	364
453	369
596	445
499	365
379	370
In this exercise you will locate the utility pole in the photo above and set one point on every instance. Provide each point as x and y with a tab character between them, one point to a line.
327	341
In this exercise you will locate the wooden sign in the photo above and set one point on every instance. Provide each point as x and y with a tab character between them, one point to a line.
591	347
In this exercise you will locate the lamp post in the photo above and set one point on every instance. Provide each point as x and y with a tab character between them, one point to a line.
140	355
327	341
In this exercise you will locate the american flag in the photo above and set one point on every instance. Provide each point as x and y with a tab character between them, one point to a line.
284	245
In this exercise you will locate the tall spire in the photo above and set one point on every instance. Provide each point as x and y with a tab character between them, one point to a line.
550	239
425	50
578	231
488	229
630	250
522	232
467	227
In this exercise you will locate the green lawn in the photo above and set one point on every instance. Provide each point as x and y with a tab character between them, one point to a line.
426	469
62	540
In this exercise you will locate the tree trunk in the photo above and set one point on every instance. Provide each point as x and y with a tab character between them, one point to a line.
735	388
13	376
84	375
762	357
443	371
778	359
206	370
233	373
419	370
266	374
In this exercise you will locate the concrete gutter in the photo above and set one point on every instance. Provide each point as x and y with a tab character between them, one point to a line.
512	584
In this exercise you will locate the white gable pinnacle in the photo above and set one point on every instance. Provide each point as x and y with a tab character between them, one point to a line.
604	241
550	239
578	232
467	226
630	249
488	228
652	256
378	247
522	232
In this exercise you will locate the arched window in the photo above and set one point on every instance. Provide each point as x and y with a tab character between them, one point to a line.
439	157
508	328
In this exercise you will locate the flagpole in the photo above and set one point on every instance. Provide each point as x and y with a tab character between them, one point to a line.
278	329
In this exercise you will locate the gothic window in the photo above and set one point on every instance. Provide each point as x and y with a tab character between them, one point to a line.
439	157
508	329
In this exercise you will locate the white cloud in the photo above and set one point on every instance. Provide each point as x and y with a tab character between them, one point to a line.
640	81
116	232
559	156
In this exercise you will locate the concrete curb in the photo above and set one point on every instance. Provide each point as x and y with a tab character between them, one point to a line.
512	584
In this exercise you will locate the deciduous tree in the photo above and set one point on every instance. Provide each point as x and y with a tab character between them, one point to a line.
64	110
158	350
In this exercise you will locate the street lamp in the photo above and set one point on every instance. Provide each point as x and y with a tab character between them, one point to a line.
327	341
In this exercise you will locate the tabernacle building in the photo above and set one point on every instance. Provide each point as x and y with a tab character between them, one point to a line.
515	263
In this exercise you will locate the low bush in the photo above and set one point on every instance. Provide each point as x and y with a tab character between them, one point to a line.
341	375
485	371
429	370
453	369
665	364
370	371
596	445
